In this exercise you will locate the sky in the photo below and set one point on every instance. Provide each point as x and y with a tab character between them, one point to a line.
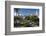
26	11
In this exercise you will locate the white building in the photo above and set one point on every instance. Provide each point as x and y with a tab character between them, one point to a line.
20	14
36	13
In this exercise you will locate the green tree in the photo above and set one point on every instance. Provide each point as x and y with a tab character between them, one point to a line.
34	20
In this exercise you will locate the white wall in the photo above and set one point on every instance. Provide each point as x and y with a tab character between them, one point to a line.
2	17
